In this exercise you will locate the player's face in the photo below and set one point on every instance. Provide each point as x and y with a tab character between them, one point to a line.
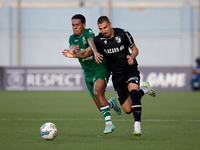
106	29
77	27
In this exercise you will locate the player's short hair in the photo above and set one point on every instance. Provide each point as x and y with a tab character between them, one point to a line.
102	19
79	16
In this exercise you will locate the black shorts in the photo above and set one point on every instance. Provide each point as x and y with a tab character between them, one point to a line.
120	84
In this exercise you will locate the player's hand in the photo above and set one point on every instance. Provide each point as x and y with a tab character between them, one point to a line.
76	49
130	60
68	53
98	58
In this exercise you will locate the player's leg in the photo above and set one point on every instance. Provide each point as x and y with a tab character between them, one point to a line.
129	102
99	87
89	85
113	104
97	103
126	106
104	110
136	107
132	84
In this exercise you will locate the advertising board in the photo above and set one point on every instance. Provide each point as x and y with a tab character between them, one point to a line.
72	79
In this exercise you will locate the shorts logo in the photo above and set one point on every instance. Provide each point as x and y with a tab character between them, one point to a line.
133	78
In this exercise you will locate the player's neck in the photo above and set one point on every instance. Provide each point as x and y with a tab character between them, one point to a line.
111	34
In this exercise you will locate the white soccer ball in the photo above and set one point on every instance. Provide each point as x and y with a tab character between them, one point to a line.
48	131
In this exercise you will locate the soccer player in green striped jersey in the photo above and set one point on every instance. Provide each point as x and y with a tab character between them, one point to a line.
96	75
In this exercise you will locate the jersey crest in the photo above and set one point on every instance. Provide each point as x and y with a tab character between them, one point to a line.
84	40
118	39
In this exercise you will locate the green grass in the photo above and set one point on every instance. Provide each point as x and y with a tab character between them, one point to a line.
171	121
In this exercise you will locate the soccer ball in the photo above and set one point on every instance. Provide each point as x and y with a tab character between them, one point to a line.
48	131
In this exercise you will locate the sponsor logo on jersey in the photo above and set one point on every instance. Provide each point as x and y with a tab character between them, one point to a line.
114	50
87	58
76	40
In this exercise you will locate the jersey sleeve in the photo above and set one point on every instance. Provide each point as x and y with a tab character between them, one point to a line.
129	39
90	34
71	41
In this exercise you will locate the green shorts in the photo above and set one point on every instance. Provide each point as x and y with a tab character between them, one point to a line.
101	73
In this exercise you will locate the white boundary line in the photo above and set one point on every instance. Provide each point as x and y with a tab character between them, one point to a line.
119	120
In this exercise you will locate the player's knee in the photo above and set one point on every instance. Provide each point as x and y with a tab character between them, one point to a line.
128	112
97	93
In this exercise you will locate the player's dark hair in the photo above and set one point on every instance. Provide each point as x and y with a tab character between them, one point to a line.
79	16
102	19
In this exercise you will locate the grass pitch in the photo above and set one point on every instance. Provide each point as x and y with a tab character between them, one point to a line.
171	121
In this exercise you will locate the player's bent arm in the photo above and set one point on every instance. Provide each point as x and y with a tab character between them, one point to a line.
130	58
84	53
135	51
92	45
98	57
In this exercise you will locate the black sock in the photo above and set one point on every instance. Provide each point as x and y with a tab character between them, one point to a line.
136	105
140	93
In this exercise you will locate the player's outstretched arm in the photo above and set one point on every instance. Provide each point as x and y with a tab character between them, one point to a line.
98	57
74	54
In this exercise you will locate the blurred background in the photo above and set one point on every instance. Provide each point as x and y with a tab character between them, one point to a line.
34	32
